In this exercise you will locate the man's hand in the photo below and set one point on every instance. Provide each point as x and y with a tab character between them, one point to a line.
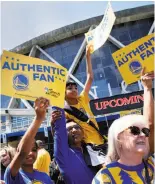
40	106
147	78
56	114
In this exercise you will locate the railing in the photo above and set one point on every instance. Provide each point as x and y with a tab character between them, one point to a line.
21	123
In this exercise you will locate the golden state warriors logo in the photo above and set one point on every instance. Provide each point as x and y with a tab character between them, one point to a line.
20	82
135	67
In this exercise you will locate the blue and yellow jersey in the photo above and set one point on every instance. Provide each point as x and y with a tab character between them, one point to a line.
116	173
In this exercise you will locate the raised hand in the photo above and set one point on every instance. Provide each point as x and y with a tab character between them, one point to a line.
40	107
56	114
147	78
88	50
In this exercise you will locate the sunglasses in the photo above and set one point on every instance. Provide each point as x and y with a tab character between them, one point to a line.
136	131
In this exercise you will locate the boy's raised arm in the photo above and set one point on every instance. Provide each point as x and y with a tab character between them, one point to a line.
25	144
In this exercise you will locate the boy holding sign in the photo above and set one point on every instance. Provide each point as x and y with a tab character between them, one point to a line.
77	109
81	102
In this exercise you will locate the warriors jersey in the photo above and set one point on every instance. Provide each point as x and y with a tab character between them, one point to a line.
116	173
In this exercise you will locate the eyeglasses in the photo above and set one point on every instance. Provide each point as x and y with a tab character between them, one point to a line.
74	126
136	131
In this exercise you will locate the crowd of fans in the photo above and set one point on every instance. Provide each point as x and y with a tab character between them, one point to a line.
81	154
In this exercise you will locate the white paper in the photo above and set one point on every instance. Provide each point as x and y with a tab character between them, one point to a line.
98	36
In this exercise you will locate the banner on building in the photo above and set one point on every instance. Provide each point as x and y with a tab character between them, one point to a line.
29	78
131	59
117	103
98	36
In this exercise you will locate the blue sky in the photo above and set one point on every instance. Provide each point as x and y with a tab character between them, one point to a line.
22	21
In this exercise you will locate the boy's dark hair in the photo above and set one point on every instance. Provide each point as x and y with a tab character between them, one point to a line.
70	82
69	120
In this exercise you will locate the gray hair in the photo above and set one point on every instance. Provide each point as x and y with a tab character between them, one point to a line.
117	127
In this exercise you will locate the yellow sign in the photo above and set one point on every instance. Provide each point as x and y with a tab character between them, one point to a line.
28	78
131	59
135	111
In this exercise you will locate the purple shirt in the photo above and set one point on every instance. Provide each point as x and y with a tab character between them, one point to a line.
70	161
26	178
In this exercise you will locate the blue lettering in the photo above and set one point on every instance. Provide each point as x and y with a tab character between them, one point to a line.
152	38
120	63
123	59
53	69
148	53
23	66
61	72
58	71
35	76
47	68
50	78
152	49
147	44
143	55
6	65
142	48
43	78
136	51
39	68
13	67
31	67
130	54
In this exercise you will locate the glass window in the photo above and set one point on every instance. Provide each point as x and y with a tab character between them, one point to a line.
113	48
64	52
126	42
110	71
133	87
113	82
3	119
143	22
101	85
124	36
57	54
135	33
107	62
72	49
103	94
68	59
66	65
4	101
116	91
132	24
79	40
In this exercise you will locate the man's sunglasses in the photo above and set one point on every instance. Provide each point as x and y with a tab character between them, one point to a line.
136	131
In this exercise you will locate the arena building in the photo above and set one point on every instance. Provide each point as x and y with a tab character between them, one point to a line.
66	46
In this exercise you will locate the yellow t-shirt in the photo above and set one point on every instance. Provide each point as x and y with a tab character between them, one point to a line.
43	161
90	134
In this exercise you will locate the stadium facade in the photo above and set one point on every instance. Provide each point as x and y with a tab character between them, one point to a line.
66	46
